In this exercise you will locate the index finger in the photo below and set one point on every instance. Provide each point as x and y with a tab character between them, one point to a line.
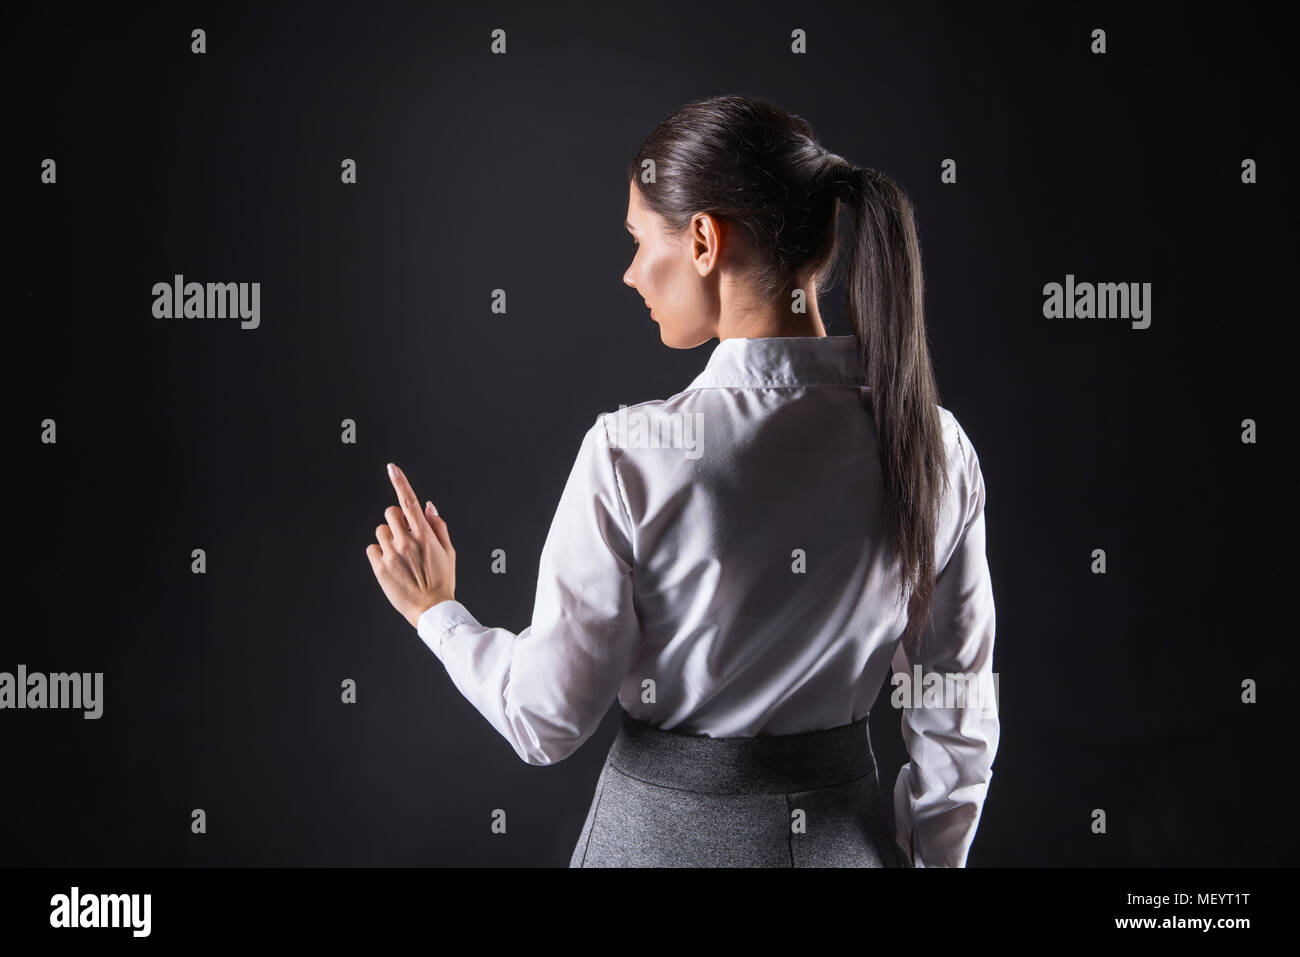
406	498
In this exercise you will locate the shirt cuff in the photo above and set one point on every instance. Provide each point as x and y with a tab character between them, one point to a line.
437	621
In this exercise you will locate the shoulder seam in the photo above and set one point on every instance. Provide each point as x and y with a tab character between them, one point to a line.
619	491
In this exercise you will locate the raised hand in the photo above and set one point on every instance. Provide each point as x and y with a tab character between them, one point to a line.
414	561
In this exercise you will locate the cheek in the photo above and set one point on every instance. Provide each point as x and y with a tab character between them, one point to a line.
656	273
668	281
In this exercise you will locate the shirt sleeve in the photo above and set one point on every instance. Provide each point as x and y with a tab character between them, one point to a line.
547	688
939	794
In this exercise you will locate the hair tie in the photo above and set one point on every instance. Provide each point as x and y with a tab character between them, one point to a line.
850	181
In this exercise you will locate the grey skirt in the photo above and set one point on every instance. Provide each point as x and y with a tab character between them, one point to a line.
665	799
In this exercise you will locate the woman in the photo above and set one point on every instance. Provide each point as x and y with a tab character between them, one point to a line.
741	564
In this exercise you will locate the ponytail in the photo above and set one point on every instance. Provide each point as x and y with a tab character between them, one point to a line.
883	297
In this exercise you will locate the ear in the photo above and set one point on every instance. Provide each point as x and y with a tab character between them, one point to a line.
706	241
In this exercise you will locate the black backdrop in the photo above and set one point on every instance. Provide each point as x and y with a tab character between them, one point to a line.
478	171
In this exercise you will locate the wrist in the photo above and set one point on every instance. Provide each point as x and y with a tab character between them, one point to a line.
425	604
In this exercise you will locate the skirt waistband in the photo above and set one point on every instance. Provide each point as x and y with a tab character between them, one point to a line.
766	764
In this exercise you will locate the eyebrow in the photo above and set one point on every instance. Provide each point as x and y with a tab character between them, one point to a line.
628	225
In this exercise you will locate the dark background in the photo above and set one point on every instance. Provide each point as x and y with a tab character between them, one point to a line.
1119	691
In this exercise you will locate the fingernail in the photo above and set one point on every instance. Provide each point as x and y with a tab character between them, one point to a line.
392	470
430	504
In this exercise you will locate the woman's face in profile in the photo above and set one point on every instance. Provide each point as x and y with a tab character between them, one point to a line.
667	276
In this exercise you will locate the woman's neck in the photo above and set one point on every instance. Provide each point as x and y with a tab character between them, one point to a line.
771	321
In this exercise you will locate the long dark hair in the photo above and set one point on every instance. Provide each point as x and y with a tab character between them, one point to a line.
751	164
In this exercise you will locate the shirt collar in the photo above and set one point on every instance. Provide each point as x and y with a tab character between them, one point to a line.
783	361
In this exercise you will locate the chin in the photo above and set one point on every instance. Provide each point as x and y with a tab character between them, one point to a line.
679	341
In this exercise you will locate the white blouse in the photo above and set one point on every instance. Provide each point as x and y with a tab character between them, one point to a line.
716	564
